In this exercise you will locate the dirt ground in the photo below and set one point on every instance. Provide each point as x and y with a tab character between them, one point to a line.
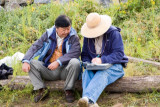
105	100
57	99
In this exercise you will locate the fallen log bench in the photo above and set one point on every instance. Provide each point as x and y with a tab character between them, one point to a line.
132	59
126	84
133	84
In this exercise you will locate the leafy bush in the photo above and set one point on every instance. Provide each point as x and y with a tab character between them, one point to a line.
138	19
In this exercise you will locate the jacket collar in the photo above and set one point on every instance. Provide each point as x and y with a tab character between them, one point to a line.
52	33
112	28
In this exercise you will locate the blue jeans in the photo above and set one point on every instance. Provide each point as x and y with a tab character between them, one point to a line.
93	84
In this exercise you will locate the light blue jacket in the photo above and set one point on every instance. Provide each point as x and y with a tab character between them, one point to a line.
45	46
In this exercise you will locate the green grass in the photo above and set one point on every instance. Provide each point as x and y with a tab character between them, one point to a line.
130	99
139	21
141	69
24	98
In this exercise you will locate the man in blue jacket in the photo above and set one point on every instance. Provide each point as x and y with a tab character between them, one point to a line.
58	50
102	44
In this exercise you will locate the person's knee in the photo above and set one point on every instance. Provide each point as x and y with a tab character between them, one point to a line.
33	62
75	65
74	62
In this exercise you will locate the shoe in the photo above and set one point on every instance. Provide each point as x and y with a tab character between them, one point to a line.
69	96
83	102
41	95
93	105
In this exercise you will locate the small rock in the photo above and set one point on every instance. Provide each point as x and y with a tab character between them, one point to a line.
42	1
1	52
49	1
24	1
11	6
124	1
105	3
20	2
2	2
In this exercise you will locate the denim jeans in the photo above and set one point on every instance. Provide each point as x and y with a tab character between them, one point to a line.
93	84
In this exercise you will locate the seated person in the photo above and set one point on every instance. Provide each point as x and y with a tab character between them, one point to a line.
102	44
58	50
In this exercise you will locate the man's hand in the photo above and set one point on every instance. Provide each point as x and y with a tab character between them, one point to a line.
97	60
54	65
25	67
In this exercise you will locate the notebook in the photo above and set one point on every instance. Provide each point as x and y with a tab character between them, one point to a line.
92	66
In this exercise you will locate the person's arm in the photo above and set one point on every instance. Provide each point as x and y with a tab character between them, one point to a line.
84	55
54	65
74	51
34	50
116	48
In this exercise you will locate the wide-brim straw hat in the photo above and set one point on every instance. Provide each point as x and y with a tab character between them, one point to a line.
96	25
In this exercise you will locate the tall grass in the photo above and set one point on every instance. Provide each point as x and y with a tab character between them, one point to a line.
139	21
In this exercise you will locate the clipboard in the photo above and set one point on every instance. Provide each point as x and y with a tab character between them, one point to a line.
92	66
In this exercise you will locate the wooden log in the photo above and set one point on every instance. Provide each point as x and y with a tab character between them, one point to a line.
136	84
125	84
132	59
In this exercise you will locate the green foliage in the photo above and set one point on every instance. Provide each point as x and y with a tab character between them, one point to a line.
141	34
138	69
138	19
130	99
129	9
20	28
11	96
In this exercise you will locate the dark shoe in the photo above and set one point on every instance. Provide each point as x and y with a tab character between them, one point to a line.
69	94
41	95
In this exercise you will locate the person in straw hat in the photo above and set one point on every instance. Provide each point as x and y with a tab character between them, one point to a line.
102	44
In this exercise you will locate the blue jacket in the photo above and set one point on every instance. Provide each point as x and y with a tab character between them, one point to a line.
113	44
45	46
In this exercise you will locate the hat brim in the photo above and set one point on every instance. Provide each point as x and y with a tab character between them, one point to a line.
103	26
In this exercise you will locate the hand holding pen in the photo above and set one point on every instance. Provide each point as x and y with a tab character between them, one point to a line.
97	60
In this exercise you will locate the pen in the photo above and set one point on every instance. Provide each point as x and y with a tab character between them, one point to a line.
98	56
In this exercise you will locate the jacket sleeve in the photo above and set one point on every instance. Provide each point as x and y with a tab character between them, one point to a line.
74	51
117	49
33	51
84	55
